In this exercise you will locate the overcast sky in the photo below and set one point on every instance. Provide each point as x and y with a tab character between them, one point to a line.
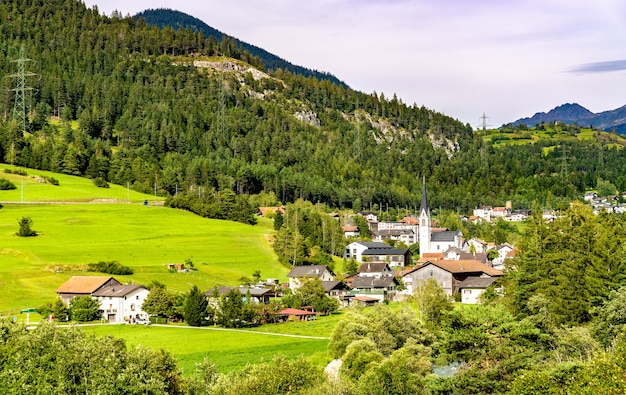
506	58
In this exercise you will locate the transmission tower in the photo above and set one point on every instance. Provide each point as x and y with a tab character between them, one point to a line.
483	121
21	88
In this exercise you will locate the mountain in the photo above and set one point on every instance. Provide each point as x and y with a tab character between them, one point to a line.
613	120
163	17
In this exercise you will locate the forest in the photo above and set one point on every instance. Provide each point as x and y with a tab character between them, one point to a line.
118	99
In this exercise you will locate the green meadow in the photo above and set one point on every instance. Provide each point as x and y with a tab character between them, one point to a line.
146	238
227	349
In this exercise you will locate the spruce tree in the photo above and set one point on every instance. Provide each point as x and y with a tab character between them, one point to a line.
195	307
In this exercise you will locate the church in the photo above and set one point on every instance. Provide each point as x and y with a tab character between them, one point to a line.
435	240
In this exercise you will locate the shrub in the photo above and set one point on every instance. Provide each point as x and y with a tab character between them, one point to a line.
16	171
50	180
5	184
100	182
25	228
112	267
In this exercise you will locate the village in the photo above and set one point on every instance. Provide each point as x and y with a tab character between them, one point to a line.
463	268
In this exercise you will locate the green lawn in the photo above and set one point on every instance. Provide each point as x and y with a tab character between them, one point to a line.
144	238
227	349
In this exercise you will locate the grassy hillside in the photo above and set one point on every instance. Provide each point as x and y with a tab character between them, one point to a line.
33	188
555	133
144	238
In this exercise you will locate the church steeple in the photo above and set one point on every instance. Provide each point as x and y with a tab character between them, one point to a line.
424	209
424	222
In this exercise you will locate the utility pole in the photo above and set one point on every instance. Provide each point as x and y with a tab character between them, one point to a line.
19	108
564	162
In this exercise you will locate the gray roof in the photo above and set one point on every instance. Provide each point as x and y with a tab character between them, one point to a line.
308	271
477	282
374	244
446	235
254	291
385	251
374	267
480	257
331	285
373	282
117	291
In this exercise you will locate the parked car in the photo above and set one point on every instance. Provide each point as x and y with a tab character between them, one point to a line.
142	321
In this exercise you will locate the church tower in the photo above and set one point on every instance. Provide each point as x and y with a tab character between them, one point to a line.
424	223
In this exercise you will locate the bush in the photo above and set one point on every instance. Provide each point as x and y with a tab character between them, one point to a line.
112	267
25	228
100	182
19	172
51	180
84	308
6	185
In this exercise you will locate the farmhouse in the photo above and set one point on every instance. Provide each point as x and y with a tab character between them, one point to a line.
257	294
379	288
298	273
83	286
378	252
449	274
118	303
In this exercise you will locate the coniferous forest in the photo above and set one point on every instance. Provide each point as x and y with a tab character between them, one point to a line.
134	110
207	125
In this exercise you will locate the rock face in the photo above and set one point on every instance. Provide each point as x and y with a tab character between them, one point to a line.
308	117
231	66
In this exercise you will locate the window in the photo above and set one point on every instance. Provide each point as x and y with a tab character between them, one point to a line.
467	291
132	307
431	273
137	297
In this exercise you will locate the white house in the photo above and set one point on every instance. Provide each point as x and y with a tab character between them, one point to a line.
505	251
356	249
472	287
298	273
118	303
350	231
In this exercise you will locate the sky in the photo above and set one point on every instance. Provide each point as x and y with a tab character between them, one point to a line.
506	59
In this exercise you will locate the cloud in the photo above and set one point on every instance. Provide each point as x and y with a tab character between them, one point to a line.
600	67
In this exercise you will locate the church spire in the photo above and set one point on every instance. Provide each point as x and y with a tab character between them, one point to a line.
424	209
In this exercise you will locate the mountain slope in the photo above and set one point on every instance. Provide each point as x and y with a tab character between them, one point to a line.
179	20
613	120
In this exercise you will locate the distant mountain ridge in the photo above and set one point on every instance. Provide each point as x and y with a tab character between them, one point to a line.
162	17
569	113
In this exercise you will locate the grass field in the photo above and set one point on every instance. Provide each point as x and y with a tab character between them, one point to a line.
227	349
144	238
73	232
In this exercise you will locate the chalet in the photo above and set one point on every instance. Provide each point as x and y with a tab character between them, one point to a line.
338	290
375	269
472	287
83	286
257	295
406	236
449	274
355	250
380	288
118	303
298	273
350	231
370	216
396	257
121	303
